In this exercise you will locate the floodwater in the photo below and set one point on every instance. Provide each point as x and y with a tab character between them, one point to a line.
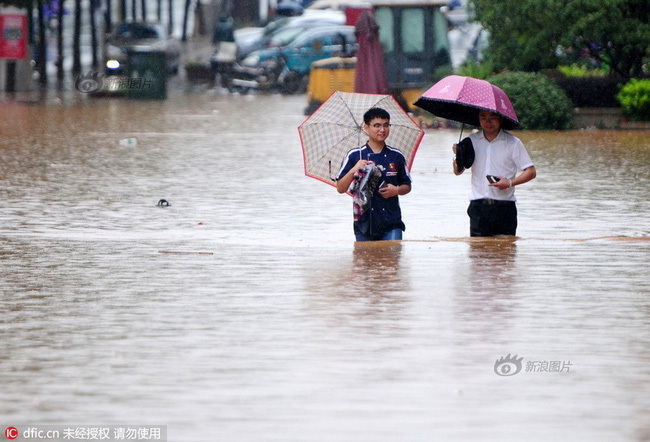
245	311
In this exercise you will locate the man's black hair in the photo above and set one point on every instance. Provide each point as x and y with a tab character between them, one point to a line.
375	112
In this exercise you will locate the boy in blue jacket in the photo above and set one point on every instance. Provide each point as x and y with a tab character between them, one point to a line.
383	219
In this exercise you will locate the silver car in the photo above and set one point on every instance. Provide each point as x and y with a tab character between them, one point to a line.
139	37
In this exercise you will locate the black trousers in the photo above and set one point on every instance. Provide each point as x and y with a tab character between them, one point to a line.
489	217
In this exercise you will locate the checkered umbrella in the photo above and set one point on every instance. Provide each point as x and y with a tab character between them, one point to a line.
337	127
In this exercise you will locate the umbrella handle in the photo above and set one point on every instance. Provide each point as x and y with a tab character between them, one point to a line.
332	177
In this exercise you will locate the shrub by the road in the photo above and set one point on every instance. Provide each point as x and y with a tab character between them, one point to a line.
539	102
591	91
635	100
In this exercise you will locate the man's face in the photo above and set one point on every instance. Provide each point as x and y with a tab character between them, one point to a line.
378	129
490	121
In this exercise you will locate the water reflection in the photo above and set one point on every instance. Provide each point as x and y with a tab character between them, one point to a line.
371	283
492	271
487	289
377	263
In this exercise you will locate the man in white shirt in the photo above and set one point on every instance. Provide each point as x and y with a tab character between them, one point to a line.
499	154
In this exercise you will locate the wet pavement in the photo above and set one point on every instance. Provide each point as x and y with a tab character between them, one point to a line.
244	311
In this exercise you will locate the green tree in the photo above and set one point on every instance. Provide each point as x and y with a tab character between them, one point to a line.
527	35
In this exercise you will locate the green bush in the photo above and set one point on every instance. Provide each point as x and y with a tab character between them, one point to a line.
538	101
635	100
441	72
576	70
591	91
476	70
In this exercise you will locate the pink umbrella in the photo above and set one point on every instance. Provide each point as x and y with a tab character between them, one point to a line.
370	73
461	98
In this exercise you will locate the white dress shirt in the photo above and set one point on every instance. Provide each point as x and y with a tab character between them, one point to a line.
504	156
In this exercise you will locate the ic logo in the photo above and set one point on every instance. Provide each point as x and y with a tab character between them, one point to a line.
11	433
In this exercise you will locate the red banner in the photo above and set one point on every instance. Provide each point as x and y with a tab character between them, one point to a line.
13	36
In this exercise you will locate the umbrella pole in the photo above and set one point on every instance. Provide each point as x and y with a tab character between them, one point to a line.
461	132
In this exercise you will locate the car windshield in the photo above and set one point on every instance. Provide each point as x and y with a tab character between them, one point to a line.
285	36
133	31
275	25
334	36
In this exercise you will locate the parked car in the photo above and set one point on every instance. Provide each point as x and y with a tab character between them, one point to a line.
141	37
277	32
337	5
311	45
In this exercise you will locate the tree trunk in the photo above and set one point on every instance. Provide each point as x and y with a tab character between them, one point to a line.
93	36
60	73
123	10
42	45
10	81
108	18
76	39
185	17
143	6
30	22
171	17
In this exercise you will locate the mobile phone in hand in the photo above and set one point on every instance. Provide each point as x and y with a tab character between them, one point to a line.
492	179
383	184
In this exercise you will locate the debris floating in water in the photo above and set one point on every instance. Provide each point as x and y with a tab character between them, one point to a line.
163	203
129	142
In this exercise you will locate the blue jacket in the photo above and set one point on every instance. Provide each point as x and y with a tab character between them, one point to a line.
384	214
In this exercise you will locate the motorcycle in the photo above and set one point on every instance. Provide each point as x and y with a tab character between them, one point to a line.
269	75
243	78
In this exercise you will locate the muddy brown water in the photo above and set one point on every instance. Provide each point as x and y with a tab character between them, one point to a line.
245	311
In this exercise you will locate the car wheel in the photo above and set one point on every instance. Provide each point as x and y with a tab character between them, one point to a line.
292	83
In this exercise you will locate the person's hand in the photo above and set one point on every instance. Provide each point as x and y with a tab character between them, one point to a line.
360	164
454	165
389	191
502	184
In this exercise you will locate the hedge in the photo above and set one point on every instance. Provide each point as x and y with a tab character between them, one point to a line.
591	91
635	100
538	101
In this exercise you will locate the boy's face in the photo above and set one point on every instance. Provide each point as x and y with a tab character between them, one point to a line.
378	129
